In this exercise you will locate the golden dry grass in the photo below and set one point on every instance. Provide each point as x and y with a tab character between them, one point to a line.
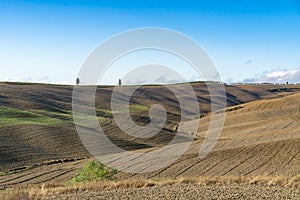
44	190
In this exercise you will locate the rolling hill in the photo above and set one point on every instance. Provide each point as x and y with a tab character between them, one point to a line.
39	142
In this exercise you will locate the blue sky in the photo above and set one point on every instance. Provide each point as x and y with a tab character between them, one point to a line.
47	41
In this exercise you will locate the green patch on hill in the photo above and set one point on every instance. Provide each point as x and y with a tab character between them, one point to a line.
11	116
133	108
137	108
101	119
103	113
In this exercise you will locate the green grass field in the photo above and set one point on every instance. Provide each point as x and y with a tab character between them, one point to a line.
133	108
11	116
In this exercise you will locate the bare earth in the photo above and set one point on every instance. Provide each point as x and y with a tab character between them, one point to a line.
189	191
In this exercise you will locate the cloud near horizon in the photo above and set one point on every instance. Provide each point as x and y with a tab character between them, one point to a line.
276	76
45	79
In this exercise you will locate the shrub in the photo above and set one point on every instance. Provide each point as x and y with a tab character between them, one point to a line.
234	108
94	171
199	116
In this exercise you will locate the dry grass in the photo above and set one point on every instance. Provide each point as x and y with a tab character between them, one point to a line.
42	191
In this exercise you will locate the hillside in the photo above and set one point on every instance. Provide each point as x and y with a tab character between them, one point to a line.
259	137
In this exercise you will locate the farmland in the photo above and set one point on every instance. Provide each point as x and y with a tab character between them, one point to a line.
39	143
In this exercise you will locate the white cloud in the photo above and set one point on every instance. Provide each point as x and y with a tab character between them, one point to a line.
277	76
45	79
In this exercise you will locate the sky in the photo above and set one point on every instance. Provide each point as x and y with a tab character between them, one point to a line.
249	41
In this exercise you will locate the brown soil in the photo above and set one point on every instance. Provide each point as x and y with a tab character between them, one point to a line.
189	191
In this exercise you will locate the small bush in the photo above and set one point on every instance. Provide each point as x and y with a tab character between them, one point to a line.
234	108
94	171
199	116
